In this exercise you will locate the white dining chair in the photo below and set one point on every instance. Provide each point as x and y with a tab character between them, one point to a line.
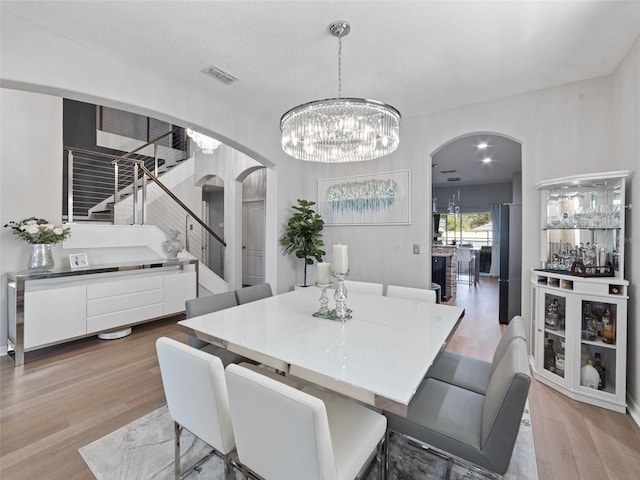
196	391
363	287
288	434
410	293
195	387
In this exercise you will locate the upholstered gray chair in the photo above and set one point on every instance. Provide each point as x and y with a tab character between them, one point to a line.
288	434
203	305
410	293
253	293
478	429
213	303
473	373
363	287
196	391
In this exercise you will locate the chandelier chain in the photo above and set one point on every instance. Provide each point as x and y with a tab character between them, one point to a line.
340	66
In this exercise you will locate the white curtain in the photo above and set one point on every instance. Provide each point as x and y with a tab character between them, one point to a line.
494	210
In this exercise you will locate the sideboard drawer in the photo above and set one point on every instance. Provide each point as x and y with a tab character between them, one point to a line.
119	303
124	286
101	323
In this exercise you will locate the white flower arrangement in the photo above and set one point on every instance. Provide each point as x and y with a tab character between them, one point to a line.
38	230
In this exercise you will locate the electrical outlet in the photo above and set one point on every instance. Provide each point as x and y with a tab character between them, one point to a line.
416	249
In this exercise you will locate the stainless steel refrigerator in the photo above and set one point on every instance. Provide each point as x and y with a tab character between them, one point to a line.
510	276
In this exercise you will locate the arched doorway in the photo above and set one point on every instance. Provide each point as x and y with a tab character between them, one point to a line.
253	225
213	214
478	177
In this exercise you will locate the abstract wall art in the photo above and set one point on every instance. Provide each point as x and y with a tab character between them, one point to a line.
372	199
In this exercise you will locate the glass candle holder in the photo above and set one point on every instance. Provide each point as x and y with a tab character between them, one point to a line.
341	311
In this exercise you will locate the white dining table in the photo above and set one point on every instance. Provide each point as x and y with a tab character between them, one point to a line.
378	357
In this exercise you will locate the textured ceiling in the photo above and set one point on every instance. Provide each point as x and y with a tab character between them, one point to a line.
419	56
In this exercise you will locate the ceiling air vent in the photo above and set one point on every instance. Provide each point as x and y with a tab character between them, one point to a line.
220	74
444	172
453	179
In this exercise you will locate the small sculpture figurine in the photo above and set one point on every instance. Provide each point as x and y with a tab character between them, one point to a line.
173	246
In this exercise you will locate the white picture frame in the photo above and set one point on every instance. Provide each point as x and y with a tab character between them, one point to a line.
78	260
371	199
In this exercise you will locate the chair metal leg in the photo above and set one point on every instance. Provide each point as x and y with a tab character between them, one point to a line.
381	457
177	429
385	465
227	468
451	460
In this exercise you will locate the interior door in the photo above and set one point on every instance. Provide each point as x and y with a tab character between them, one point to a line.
253	242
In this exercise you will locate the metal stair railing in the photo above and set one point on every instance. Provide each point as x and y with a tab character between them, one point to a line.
119	185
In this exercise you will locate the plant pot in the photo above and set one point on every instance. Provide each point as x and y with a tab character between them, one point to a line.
41	258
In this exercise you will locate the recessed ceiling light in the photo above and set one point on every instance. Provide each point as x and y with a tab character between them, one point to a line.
482	145
486	160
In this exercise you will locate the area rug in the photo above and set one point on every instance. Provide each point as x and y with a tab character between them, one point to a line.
143	450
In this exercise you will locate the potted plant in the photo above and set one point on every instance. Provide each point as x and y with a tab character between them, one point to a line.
302	237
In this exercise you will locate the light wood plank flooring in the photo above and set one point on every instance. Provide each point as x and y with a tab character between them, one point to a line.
66	397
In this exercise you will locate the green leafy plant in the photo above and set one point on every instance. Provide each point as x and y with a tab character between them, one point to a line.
302	237
38	230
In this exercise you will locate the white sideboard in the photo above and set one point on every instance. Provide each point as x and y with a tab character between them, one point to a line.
62	305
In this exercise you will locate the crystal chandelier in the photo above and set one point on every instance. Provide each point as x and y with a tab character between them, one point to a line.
340	129
206	144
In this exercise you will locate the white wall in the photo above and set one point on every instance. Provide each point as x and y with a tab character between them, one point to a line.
231	166
563	130
30	171
626	143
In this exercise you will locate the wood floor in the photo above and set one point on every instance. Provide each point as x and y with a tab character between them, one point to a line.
66	397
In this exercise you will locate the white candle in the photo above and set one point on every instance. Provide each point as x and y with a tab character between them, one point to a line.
340	259
323	275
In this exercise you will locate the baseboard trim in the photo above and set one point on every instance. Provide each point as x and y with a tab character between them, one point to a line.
633	408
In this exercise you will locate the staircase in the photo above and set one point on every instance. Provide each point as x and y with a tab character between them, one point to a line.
113	188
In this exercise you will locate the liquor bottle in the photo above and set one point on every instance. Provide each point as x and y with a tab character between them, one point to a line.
597	364
589	329
608	326
560	360
589	376
597	315
552	317
549	356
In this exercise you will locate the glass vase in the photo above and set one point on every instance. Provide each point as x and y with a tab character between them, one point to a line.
41	258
